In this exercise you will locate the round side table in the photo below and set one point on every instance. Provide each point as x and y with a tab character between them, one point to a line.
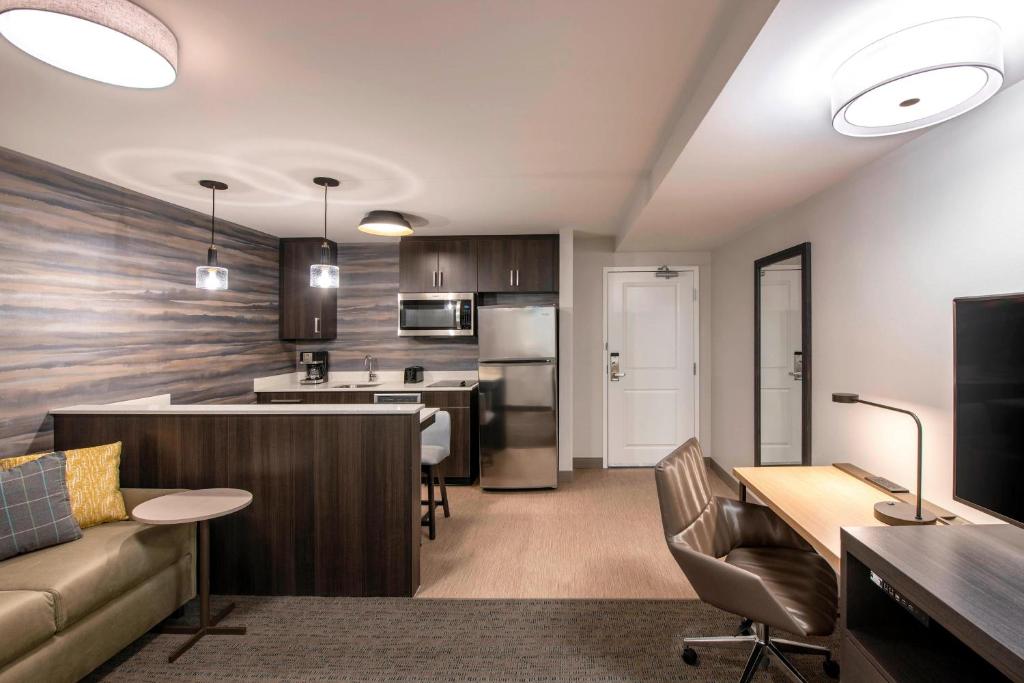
187	507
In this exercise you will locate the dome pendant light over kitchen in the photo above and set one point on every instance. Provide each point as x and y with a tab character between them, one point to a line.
111	41
324	274
918	77
385	224
212	276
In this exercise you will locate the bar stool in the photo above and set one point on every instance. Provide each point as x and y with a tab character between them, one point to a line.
435	446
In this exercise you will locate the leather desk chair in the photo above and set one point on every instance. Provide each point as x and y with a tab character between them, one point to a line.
435	446
770	576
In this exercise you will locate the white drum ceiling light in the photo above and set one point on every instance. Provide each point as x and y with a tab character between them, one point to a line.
112	41
918	77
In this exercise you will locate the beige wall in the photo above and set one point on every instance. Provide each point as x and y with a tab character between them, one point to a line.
892	246
591	254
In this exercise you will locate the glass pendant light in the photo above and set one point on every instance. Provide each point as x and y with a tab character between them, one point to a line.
324	274
385	224
212	276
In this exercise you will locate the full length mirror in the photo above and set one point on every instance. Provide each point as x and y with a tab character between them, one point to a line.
782	357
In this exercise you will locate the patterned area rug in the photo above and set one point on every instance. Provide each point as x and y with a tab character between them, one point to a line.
494	641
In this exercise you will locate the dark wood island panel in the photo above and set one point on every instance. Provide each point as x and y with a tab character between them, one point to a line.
336	498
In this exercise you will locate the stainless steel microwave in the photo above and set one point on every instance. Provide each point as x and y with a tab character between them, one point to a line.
436	315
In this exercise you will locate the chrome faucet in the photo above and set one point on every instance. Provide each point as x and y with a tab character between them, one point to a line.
369	362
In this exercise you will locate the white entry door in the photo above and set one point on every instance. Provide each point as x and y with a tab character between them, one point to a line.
652	399
781	392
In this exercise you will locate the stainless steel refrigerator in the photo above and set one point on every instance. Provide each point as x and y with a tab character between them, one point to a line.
518	396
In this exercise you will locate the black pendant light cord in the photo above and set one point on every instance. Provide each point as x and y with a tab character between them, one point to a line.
213	213
325	249
213	186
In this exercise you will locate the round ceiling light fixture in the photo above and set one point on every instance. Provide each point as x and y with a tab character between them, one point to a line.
918	77
385	224
112	41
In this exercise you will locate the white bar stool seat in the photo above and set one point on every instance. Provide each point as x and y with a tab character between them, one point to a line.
435	446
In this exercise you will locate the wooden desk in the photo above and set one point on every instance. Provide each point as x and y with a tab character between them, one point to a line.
816	501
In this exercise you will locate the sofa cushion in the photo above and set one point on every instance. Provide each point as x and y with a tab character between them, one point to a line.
26	621
35	511
93	476
108	560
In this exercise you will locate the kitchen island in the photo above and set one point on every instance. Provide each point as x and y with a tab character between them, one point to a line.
336	487
456	392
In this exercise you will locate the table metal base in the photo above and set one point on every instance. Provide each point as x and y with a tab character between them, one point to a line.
207	624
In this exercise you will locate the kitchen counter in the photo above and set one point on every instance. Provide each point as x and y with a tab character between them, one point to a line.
387	381
249	409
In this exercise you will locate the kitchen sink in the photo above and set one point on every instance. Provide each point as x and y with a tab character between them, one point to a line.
364	385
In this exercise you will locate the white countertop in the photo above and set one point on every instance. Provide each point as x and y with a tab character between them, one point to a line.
249	409
387	381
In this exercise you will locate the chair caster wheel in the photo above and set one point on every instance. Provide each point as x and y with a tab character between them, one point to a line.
690	656
831	668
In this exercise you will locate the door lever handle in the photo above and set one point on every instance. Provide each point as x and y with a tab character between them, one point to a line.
616	376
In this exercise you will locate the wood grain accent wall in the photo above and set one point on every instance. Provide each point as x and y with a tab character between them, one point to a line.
368	318
98	301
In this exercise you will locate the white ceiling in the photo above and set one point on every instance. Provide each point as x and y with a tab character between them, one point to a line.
476	116
767	142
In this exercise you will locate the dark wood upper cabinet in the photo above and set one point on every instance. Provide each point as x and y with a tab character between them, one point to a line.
428	264
456	265
417	266
495	265
518	264
537	264
305	313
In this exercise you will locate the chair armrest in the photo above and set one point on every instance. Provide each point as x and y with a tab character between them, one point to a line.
756	526
135	497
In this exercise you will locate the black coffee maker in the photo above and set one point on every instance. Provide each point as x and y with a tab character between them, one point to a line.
315	365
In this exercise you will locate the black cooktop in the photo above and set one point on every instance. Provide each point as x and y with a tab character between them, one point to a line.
450	383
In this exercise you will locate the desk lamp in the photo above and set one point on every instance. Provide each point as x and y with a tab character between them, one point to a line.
897	512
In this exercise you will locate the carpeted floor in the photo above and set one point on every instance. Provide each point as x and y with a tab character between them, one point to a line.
400	639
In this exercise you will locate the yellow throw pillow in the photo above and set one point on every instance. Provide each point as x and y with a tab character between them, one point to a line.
94	482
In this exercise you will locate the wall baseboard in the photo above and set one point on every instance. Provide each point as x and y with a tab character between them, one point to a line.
725	476
587	463
564	476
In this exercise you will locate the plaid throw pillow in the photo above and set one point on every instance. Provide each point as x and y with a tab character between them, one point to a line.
35	508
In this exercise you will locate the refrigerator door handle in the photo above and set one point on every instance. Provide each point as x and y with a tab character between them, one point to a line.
535	361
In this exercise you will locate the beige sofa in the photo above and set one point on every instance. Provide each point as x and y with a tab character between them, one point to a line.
67	609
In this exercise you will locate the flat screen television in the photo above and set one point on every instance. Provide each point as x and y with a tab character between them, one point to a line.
988	405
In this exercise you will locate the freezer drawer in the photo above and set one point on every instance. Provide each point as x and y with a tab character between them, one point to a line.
524	333
518	425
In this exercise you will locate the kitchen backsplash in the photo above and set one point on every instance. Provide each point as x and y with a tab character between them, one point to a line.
368	318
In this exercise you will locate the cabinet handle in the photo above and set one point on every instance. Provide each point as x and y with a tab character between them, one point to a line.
316	325
511	283
286	400
440	281
517	277
433	278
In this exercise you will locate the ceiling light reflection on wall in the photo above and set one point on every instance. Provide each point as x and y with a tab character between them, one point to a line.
918	77
385	224
324	275
112	41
